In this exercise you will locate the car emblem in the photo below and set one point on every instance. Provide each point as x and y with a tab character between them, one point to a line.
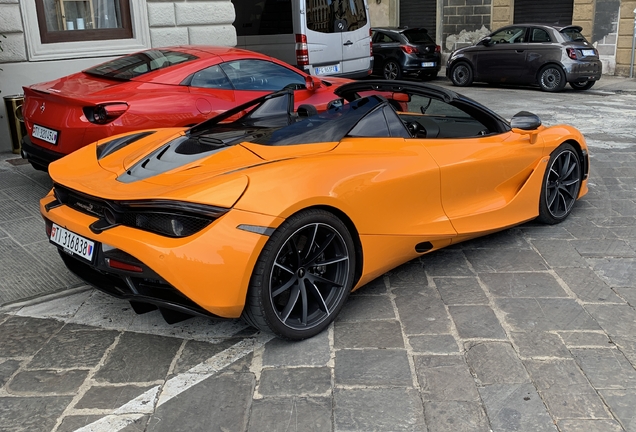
87	207
42	108
340	25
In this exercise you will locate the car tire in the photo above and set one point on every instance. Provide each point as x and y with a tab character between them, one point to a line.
462	74
585	85
561	185
391	70
302	277
552	78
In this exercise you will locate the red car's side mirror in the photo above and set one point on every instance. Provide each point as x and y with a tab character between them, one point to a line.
312	82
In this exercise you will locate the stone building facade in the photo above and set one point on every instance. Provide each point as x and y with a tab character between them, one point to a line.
609	24
24	59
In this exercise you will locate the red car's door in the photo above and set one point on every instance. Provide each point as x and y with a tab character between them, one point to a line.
212	92
252	78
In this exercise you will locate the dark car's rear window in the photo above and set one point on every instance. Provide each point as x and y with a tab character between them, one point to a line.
134	65
418	36
573	35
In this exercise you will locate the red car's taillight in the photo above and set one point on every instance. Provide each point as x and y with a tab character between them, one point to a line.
302	52
571	53
105	113
408	49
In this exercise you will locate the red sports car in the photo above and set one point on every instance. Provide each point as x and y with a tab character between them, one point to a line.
173	86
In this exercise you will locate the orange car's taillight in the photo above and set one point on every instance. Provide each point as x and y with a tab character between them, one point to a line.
105	113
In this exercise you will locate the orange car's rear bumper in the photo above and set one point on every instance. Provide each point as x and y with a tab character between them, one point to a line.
211	268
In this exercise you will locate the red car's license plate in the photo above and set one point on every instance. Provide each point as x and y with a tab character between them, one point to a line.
45	134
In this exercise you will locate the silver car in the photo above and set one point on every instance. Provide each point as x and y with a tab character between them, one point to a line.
528	54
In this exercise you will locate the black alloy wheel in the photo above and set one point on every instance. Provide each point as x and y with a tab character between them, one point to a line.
551	78
585	85
462	74
302	277
561	185
391	70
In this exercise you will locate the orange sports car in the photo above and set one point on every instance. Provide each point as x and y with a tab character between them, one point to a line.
275	216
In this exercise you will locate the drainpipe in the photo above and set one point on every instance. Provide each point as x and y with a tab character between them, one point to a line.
631	67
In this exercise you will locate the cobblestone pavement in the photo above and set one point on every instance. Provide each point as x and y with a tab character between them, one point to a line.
529	329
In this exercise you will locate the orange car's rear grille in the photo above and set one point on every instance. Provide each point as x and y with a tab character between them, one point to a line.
85	205
167	218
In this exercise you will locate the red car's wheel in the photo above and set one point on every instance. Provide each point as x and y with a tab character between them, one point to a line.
302	277
561	185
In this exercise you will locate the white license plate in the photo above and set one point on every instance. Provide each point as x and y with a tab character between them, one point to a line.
428	64
326	69
45	134
72	243
588	52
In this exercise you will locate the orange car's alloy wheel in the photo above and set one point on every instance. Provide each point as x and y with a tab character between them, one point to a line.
561	185
303	276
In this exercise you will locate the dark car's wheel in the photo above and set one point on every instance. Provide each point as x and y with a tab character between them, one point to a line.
391	70
302	277
585	85
551	78
561	185
462	74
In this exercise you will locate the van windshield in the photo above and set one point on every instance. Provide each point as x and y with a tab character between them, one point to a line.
335	16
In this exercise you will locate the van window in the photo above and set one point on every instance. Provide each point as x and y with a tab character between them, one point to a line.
335	16
263	17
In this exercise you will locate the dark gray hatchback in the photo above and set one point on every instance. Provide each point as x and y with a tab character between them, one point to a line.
531	54
400	52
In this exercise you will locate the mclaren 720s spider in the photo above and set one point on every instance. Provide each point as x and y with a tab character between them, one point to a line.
276	215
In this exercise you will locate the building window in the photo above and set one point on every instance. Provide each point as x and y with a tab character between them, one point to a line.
82	20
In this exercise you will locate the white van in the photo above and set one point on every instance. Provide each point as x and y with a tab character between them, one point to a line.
321	37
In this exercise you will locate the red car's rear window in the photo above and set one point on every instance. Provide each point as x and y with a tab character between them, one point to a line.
134	65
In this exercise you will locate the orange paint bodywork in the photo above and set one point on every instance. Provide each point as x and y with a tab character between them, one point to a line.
395	193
